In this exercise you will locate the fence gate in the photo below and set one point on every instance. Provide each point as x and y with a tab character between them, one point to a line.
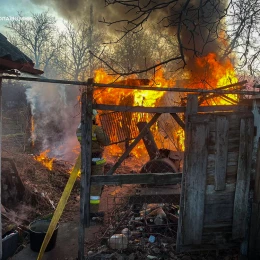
215	181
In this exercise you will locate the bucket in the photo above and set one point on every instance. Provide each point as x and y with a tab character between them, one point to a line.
38	230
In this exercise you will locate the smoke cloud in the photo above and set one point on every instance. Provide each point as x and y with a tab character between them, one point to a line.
56	118
197	22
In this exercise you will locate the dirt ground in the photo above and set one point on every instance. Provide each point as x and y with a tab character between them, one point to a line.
48	187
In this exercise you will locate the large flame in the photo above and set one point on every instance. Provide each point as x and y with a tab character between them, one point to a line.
208	73
128	97
45	160
214	74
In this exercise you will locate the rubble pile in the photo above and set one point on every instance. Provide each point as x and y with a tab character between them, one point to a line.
145	231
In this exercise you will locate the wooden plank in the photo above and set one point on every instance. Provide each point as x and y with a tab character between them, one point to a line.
173	109
218	213
222	126
195	185
146	178
133	144
254	239
148	140
243	179
220	197
167	109
233	117
254	249
162	190
112	85
86	157
178	120
192	108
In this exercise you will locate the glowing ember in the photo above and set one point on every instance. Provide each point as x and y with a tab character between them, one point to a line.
45	160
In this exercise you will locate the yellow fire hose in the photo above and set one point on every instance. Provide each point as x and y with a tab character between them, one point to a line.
60	207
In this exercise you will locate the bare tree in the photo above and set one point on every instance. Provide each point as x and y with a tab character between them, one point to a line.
37	38
243	33
197	26
140	50
75	59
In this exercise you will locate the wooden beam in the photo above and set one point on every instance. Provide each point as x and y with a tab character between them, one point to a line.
192	108
221	90
86	157
192	105
254	240
178	120
148	140
194	188
133	144
174	109
144	178
243	179
140	109
102	85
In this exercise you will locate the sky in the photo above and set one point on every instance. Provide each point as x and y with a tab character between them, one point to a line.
10	8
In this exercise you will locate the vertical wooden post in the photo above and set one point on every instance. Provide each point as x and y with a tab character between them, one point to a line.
191	108
243	179
1	249
254	238
86	157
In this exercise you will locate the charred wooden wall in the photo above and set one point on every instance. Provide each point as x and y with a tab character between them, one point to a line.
215	183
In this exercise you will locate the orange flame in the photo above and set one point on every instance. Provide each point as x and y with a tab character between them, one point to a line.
128	97
45	160
215	74
210	72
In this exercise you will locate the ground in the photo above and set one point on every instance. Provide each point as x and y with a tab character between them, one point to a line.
48	186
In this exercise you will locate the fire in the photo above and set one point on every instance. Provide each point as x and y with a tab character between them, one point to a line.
45	160
215	74
208	72
146	98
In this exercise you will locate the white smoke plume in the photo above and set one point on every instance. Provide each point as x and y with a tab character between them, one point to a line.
56	115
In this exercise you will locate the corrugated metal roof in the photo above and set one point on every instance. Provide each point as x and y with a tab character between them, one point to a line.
10	52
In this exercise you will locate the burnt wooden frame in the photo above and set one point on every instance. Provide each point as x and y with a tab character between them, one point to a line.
86	113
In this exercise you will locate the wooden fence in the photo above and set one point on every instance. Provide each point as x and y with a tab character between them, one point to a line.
215	181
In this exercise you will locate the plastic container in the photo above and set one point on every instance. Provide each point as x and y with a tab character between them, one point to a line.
38	230
118	241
